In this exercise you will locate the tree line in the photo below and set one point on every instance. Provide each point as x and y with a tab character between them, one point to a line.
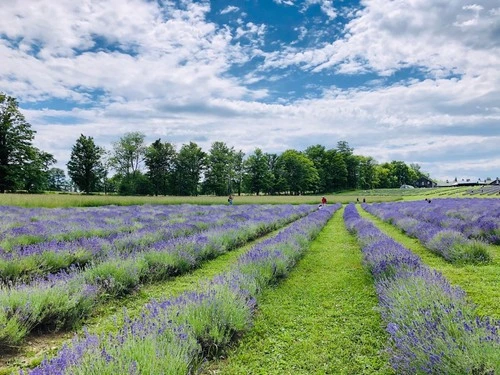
133	167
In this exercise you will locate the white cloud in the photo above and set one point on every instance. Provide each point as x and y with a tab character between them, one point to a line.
229	9
286	2
325	5
172	48
390	35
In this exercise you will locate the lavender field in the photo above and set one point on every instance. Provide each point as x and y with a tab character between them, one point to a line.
58	266
98	254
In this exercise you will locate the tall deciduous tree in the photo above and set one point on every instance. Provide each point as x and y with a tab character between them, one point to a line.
36	173
367	178
85	165
189	166
317	154
258	176
279	183
160	160
237	172
299	172
19	160
57	179
351	162
128	153
219	169
336	171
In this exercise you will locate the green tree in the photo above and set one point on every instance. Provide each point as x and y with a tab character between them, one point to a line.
402	174
335	171
258	176
219	169
57	180
135	184
367	178
160	159
278	178
85	165
188	169
416	172
299	172
317	154
36	173
19	160
384	176
128	153
237	172
351	163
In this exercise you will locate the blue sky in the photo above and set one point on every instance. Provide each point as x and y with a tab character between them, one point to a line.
417	81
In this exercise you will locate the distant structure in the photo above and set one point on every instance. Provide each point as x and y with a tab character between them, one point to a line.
424	182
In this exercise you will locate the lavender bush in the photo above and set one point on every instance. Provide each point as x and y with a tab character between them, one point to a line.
433	327
442	230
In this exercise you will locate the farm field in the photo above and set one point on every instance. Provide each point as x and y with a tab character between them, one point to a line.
54	200
276	284
78	200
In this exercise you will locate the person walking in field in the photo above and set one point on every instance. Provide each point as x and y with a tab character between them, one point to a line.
230	199
323	201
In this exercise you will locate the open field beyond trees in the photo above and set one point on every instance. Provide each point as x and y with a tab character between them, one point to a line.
269	285
375	195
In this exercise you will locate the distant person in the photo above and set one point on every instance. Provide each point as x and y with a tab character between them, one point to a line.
323	201
230	199
364	200
357	200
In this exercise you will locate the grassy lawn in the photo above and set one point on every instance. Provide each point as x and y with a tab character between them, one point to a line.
481	283
322	319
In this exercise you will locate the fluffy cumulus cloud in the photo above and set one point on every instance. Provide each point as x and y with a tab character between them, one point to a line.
416	81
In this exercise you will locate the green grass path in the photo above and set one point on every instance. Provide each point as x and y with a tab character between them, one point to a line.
322	319
480	282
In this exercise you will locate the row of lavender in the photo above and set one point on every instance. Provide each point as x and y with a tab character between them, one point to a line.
432	326
148	226
452	228
57	301
23	226
174	336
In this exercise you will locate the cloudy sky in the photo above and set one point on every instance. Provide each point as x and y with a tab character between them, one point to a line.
414	80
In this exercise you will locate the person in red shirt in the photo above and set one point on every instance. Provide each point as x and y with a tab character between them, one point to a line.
323	201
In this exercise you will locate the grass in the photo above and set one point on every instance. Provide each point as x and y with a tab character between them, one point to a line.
53	199
480	282
78	200
321	320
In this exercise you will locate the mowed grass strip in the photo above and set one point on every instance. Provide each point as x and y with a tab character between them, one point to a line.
107	316
322	319
480	282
